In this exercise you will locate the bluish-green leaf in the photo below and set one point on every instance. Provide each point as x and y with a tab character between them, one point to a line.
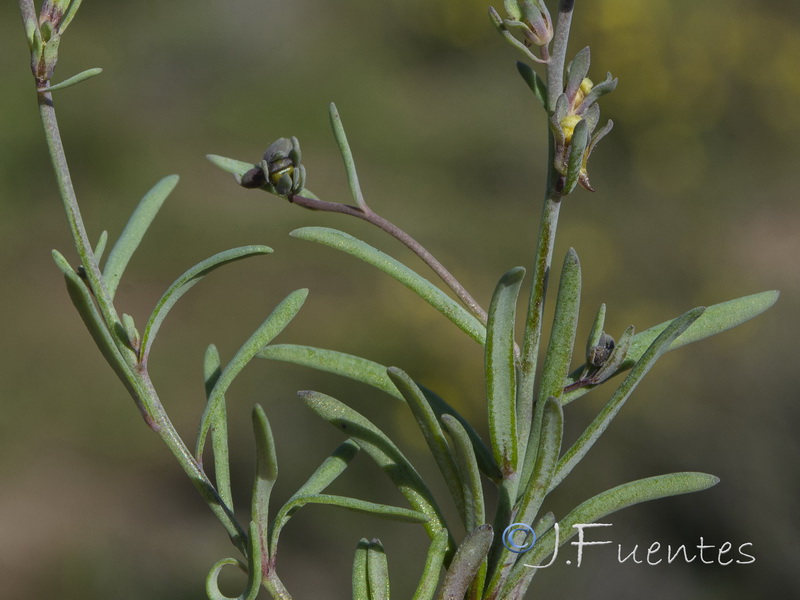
595	429
433	565
577	147
383	451
559	353
469	474
716	319
212	370
377	571
360	583
252	568
596	508
374	374
578	69
266	473
431	431
184	283
79	294
347	156
266	332
466	563
134	231
70	81
409	278
325	474
534	82
501	377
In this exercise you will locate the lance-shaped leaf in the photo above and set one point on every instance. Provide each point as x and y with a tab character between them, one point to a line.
559	353
501	377
715	319
184	283
271	327
252	568
466	563
266	474
595	429
395	269
69	82
134	231
79	294
347	156
377	571
578	69
432	432
100	248
360	583
433	564
532	79
469	474
596	508
381	450
577	148
212	369
374	374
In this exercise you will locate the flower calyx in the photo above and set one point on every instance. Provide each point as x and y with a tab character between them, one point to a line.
573	123
44	35
279	172
530	18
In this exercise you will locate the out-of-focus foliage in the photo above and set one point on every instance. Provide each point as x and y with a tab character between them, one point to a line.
696	203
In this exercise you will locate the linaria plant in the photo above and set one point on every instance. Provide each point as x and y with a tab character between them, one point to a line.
527	390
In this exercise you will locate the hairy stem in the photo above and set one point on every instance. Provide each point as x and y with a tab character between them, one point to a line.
374	218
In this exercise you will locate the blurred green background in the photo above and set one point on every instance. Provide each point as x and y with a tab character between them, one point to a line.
696	204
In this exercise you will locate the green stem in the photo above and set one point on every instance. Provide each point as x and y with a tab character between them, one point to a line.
153	411
76	226
544	246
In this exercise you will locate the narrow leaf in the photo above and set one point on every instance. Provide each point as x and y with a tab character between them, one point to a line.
230	165
212	370
82	76
100	248
501	374
577	147
360	583
598	426
252	568
184	283
374	374
266	473
597	329
466	563
377	571
347	157
578	69
433	565
716	319
469	474
266	332
534	82
326	473
79	294
382	450
590	511
134	231
395	269
432	432
559	353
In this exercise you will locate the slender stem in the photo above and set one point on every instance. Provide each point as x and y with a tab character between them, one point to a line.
528	430
146	397
372	217
76	226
